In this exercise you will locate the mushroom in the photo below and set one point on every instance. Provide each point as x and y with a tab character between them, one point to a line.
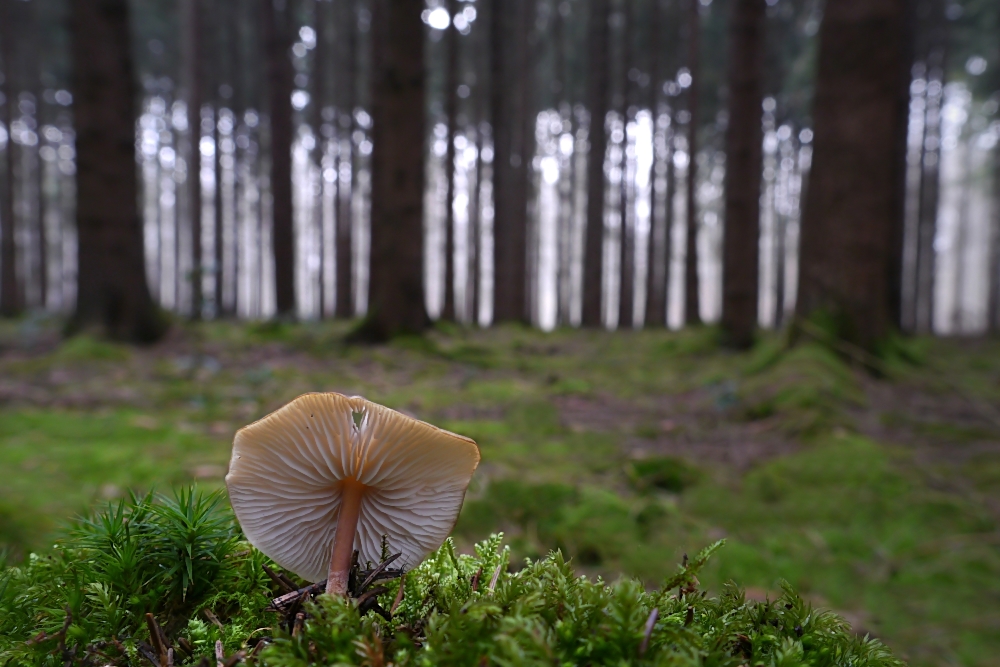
327	474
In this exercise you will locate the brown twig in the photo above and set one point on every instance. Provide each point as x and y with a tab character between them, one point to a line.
475	579
368	595
220	655
68	621
157	637
234	658
283	582
650	624
210	615
300	621
378	570
148	652
399	594
186	646
283	602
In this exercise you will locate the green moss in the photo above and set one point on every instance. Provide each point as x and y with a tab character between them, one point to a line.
180	558
807	388
667	473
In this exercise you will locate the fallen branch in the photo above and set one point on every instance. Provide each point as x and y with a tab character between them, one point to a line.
283	602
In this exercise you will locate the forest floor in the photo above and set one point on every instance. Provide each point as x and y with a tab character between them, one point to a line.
878	497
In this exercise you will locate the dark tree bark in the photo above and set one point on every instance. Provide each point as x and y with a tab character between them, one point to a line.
848	221
930	168
666	254
744	137
451	110
692	310
192	67
345	223
993	307
319	150
41	236
626	240
396	301
593	256
510	176
10	291
656	263
219	77
280	82
897	238
112	295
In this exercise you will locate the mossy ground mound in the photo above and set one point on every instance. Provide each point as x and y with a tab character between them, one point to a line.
178	567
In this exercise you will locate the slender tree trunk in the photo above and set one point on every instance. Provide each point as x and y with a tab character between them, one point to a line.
319	150
593	257
220	76
744	136
692	309
345	219
41	232
482	58
962	223
10	291
848	221
654	315
669	194
930	174
897	238
192	65
510	181
112	295
451	110
396	302
993	307
626	240
780	257
280	81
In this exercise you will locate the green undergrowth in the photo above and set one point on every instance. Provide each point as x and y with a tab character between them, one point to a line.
808	388
182	561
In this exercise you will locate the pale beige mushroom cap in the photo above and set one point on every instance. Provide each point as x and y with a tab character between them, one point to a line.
286	472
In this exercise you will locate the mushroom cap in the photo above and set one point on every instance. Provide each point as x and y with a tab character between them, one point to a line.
287	471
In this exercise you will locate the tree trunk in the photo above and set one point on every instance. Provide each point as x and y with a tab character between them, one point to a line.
744	137
10	291
848	221
192	67
41	237
220	76
930	169
626	234
112	295
345	219
692	309
593	257
670	191
655	315
451	110
280	82
510	180
396	301
993	307
319	150
511	159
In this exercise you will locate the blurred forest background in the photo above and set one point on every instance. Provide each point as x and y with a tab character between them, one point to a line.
685	269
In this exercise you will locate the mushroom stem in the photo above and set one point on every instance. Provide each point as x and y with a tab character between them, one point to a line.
343	543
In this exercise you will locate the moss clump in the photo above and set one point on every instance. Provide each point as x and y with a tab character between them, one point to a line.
181	560
806	388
